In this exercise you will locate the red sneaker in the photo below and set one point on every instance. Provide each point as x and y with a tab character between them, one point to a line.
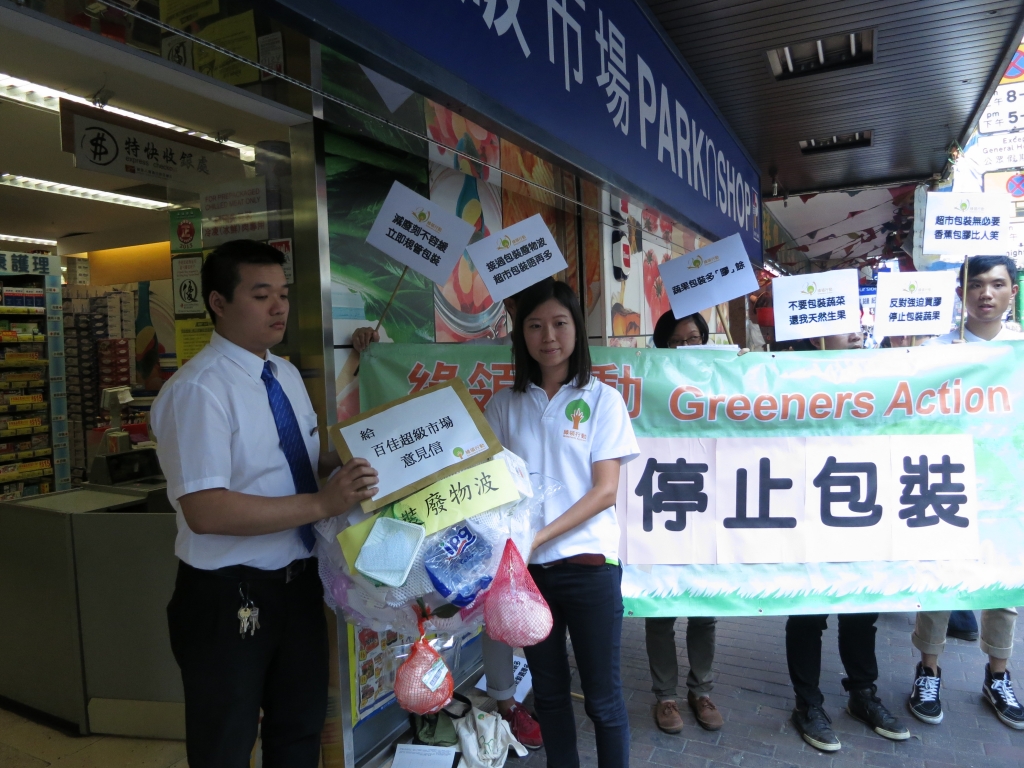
524	727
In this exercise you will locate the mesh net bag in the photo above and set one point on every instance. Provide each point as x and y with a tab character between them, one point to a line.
423	684
515	612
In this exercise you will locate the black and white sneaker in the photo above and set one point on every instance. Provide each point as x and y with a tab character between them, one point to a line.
999	693
924	701
864	705
814	724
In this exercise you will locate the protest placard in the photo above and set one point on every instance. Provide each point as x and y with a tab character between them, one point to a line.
516	257
816	305
966	224
708	276
914	303
419	234
415	440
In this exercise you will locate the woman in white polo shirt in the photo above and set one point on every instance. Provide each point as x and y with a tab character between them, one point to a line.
569	426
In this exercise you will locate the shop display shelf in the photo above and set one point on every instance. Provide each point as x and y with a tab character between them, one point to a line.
4	310
6	458
42	429
33	384
43	363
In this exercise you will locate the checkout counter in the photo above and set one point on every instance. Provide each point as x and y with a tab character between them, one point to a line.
85	578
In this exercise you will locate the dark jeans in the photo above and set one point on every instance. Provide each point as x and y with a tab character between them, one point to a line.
227	679
856	649
586	600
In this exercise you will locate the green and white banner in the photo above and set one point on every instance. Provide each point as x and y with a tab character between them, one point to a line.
810	482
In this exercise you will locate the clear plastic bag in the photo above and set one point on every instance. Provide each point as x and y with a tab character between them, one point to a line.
515	612
458	561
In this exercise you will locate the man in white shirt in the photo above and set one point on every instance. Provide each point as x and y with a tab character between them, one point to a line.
991	286
237	440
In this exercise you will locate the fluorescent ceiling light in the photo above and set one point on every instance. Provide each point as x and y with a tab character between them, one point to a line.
34	95
39	185
31	240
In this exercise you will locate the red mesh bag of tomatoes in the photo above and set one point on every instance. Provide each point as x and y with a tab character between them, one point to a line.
423	684
515	612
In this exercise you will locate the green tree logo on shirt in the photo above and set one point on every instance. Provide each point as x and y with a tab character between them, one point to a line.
577	412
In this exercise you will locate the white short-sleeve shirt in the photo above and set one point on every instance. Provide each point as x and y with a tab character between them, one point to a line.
1005	334
562	438
214	429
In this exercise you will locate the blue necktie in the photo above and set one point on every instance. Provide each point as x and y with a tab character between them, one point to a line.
293	445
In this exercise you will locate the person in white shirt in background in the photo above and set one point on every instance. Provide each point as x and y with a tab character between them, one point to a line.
497	656
237	440
569	426
991	286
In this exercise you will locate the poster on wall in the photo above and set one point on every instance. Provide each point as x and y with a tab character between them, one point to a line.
516	257
186	226
187	284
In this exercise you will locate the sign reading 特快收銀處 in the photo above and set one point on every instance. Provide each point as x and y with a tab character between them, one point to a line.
416	439
805	482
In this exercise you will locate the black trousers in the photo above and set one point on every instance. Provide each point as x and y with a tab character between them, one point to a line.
856	649
227	678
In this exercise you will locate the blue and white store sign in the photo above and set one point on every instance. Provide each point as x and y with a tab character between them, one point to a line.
593	81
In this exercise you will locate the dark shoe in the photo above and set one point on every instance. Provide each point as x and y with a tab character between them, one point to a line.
707	714
865	706
962	625
524	727
924	701
666	715
814	724
999	693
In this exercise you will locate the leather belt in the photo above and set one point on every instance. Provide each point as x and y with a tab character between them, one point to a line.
247	572
585	559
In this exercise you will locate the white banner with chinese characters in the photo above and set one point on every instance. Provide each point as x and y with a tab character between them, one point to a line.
915	303
966	224
236	210
805	482
812	306
419	234
516	257
708	276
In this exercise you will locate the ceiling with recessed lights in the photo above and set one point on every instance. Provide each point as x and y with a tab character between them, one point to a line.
933	62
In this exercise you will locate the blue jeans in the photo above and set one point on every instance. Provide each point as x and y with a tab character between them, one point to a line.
586	600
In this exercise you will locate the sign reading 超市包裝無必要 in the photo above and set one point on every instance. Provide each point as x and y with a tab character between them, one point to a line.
599	85
805	482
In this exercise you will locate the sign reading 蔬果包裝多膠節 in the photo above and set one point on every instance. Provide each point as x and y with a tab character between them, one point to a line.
516	257
915	303
813	306
416	439
803	482
419	234
707	276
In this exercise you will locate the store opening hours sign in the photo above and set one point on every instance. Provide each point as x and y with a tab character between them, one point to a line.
804	482
707	276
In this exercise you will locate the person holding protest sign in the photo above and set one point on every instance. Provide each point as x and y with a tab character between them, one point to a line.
991	286
238	441
568	425
497	656
856	649
659	632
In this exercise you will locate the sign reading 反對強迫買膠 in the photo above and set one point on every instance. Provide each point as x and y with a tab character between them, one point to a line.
813	306
803	482
419	234
707	276
416	439
915	303
516	257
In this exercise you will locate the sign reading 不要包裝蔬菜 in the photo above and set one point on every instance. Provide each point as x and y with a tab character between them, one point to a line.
707	276
419	234
915	303
416	439
516	257
804	482
813	306
966	224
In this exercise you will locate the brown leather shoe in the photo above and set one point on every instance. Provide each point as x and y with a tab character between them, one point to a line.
666	715
707	714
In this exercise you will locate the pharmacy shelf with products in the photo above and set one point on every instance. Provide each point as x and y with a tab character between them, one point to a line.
99	328
33	401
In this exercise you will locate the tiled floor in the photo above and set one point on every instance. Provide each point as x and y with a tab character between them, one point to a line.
752	690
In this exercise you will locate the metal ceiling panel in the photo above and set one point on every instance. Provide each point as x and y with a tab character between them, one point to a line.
936	63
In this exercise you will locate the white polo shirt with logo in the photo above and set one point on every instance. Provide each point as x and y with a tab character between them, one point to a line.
562	438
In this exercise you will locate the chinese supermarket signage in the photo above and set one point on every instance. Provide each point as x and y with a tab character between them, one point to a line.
809	482
597	84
